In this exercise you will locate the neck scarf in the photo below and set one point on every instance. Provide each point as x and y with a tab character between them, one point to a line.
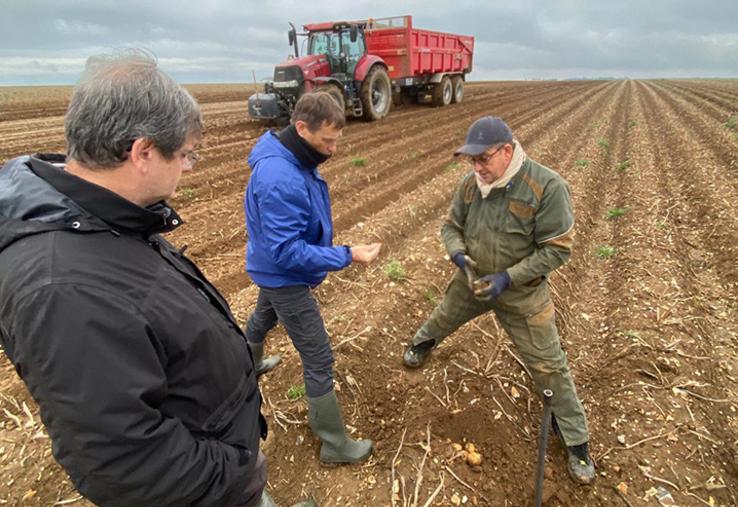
516	163
300	148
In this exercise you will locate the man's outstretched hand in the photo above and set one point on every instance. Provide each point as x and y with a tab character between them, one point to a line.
364	254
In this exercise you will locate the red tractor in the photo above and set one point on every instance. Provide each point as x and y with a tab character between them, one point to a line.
366	65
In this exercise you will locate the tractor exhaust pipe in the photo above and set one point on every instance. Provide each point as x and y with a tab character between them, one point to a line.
542	444
292	37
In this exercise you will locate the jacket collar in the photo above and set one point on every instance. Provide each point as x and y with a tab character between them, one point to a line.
111	208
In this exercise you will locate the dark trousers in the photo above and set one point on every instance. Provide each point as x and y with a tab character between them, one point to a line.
252	494
297	310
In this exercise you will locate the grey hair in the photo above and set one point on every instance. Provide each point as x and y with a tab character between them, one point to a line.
122	97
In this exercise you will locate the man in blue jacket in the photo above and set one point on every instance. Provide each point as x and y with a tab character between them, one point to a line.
290	251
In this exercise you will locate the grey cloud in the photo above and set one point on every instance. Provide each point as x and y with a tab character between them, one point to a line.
226	39
66	28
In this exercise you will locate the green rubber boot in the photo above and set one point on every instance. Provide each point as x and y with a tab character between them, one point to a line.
266	501
326	422
261	363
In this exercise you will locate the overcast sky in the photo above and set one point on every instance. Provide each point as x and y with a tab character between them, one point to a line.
224	40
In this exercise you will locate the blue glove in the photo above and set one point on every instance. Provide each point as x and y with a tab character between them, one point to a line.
467	265
491	286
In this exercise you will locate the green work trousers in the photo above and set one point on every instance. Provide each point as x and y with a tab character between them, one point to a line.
527	314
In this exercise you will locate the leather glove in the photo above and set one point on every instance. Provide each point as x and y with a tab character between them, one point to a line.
467	265
489	287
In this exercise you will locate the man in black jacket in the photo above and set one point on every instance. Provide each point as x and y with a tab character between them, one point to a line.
142	374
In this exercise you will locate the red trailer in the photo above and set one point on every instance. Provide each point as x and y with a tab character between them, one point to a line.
416	57
368	64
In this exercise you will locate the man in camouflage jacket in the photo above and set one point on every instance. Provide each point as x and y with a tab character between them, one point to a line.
509	225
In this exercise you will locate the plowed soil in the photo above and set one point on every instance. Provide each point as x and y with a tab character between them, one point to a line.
646	306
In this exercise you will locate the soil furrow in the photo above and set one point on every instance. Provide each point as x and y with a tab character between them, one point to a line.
719	112
686	308
708	186
650	328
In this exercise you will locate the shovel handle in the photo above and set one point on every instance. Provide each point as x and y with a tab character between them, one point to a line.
542	444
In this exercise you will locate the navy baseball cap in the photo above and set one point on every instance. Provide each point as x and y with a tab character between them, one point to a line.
484	133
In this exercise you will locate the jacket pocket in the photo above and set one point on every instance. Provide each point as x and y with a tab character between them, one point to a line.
315	229
222	416
542	327
520	217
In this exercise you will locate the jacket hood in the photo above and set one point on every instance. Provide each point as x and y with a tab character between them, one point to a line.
268	146
30	205
37	196
26	196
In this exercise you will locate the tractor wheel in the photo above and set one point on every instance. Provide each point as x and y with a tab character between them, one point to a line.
376	94
443	92
335	92
457	83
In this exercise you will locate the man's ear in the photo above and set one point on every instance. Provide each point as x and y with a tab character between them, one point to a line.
509	149
301	127
141	152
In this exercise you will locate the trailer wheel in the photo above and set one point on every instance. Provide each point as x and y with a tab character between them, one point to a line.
376	94
457	82
443	92
335	92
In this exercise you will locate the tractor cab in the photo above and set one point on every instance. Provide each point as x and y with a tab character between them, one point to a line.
344	46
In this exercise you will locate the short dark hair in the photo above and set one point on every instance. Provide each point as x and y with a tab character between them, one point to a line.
123	96
317	108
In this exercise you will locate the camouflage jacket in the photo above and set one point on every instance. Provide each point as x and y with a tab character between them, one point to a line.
525	228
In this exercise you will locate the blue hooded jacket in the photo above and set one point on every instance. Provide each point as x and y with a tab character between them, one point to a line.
288	217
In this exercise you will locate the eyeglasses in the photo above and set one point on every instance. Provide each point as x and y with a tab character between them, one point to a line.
191	158
484	158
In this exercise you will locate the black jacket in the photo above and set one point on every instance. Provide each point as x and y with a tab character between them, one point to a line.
143	377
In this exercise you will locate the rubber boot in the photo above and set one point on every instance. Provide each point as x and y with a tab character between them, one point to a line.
261	363
326	422
265	500
416	355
